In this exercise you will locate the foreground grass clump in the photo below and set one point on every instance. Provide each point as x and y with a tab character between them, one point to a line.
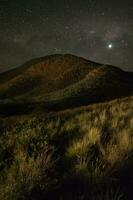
83	153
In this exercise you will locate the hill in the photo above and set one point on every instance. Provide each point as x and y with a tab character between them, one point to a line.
63	81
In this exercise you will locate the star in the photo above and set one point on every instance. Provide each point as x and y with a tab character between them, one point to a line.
28	10
57	50
110	46
92	32
66	27
23	21
80	39
102	13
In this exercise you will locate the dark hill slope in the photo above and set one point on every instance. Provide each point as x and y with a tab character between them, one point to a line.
62	81
44	74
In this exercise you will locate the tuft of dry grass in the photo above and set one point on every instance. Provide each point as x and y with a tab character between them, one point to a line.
90	146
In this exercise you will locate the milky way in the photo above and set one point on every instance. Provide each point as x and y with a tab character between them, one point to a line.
99	30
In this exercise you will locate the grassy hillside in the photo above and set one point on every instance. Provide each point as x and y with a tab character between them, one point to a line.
62	81
42	75
84	153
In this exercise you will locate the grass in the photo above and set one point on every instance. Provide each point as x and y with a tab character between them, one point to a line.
84	153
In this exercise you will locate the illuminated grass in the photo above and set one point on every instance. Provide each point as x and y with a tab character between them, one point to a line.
89	148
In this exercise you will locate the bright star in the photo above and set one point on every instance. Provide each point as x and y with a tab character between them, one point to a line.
110	46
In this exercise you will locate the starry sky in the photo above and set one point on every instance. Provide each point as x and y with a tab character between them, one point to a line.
99	30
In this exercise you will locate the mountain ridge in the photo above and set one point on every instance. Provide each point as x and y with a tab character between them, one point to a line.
60	81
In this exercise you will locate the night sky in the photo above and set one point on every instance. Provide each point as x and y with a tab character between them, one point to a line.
99	30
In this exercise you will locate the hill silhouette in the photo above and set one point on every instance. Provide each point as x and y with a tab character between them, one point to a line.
63	81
